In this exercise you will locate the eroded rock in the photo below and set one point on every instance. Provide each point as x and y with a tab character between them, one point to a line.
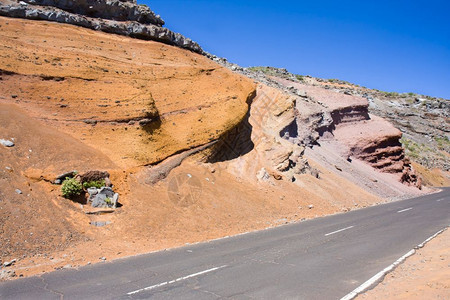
119	17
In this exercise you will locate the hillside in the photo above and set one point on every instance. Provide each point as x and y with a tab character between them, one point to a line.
422	120
192	150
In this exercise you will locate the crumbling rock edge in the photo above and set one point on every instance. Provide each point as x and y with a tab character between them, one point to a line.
139	22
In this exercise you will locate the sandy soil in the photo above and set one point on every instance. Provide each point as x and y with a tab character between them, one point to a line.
425	275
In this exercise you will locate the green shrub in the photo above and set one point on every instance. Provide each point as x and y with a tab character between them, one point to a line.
391	94
71	187
443	142
97	184
300	77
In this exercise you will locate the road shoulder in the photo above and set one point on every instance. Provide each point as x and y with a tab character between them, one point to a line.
425	275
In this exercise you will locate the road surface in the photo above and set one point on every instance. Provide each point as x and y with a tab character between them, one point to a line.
324	258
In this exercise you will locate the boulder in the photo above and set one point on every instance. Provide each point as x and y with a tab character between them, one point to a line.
103	198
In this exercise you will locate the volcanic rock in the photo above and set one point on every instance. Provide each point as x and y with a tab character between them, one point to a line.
119	17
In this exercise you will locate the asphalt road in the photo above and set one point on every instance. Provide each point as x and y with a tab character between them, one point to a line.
324	258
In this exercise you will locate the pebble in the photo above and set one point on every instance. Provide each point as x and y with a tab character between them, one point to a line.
69	266
9	263
18	191
310	206
103	258
6	143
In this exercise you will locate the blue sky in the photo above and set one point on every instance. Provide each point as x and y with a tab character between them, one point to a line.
395	45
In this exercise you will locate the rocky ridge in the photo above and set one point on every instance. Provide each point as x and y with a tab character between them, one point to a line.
424	121
323	115
118	17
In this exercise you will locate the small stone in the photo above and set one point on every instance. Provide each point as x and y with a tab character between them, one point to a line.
310	206
91	122
103	258
68	266
14	96
100	223
9	263
6	143
63	176
144	122
18	191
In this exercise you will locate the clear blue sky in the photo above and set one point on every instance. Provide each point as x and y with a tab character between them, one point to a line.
394	45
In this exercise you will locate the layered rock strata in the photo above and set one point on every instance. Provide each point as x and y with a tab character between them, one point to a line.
346	118
138	102
323	114
118	17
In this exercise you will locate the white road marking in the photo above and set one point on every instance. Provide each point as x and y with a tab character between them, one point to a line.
379	276
439	200
339	230
406	209
175	280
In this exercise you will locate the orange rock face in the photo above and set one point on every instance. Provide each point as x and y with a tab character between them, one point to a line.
136	101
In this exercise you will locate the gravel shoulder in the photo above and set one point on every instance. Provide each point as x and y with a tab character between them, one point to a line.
425	275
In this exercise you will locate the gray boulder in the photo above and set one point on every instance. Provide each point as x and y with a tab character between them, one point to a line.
103	198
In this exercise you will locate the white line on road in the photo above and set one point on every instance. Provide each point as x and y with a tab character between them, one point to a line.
406	209
380	275
175	280
339	230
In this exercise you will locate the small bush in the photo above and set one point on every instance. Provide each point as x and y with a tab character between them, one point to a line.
94	183
443	142
71	188
391	94
300	77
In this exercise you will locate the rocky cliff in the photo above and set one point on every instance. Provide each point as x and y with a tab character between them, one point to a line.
195	151
326	116
117	16
139	101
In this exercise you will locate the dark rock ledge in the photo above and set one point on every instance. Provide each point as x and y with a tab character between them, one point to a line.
123	17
